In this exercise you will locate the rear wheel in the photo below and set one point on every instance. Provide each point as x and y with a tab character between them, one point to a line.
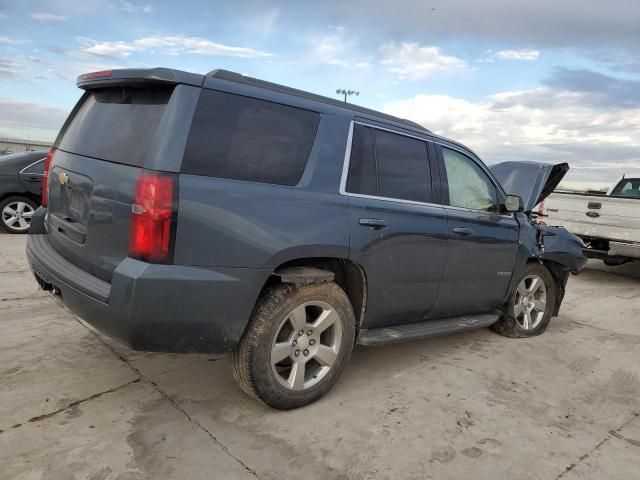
296	346
16	213
531	305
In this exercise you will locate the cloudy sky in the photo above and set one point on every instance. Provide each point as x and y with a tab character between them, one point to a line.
551	80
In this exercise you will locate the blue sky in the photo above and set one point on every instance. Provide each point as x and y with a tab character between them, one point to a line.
546	80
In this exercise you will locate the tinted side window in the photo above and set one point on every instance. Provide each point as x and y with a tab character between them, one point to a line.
362	176
248	139
469	186
403	168
36	169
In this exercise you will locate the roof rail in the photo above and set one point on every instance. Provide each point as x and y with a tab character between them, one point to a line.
239	78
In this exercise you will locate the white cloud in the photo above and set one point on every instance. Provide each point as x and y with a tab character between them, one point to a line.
48	17
525	54
112	49
170	45
414	62
3	16
180	44
11	41
542	124
9	69
131	7
334	48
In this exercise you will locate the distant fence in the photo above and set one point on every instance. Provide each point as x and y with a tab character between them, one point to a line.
15	145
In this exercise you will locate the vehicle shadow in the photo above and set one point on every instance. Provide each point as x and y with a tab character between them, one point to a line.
630	269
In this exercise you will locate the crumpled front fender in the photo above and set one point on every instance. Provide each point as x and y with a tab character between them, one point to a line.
556	248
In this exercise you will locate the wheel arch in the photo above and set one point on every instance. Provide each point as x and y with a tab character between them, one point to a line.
560	274
29	195
349	276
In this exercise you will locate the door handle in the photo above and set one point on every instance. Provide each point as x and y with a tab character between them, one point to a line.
373	223
462	230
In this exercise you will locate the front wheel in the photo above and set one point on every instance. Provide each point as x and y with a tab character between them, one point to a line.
531	305
296	346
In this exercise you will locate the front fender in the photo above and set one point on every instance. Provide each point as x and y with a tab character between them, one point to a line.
559	250
564	248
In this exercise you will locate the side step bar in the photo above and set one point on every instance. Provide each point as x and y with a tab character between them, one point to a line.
428	328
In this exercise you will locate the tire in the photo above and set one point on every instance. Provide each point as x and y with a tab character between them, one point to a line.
527	298
16	213
270	335
616	261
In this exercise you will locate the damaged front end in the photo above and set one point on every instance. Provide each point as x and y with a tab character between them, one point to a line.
554	247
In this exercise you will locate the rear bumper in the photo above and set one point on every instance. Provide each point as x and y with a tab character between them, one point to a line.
616	249
620	249
168	308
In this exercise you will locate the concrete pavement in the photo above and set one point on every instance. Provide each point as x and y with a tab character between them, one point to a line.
77	405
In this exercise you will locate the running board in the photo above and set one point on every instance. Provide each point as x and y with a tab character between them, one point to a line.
428	328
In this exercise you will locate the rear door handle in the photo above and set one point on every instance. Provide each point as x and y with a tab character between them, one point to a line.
374	223
462	230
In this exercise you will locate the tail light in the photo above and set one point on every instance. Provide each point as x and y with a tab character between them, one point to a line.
45	176
100	74
153	217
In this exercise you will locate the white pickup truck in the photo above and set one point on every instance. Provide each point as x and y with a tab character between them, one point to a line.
608	224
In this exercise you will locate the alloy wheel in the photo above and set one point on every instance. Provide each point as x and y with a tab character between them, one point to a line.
530	302
306	345
17	215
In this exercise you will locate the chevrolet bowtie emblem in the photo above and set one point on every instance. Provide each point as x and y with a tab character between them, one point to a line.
63	178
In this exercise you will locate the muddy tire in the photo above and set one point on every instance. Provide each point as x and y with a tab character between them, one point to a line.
530	306
296	345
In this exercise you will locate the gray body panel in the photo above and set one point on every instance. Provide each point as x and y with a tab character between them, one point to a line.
232	235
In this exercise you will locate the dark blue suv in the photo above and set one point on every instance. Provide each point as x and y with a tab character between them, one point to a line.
220	213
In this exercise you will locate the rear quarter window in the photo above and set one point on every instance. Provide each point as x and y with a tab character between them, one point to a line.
116	124
244	138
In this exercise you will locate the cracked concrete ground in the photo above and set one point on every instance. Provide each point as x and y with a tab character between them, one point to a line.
77	405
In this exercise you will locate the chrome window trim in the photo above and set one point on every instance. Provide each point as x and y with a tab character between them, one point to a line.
483	212
395	200
31	165
347	160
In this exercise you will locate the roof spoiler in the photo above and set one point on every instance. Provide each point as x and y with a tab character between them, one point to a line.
132	76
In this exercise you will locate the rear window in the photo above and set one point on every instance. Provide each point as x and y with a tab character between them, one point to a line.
627	188
244	138
116	124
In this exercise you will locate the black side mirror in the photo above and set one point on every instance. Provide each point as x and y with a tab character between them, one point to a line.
513	203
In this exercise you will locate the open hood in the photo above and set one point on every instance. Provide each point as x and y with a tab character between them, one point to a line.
533	181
